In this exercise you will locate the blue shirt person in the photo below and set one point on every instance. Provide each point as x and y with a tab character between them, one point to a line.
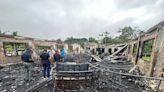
62	54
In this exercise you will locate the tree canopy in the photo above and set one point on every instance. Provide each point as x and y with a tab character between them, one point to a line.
15	33
107	40
91	39
126	33
72	40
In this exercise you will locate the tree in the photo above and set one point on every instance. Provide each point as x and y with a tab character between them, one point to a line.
107	40
105	37
15	33
91	39
80	41
128	33
59	41
72	40
83	39
117	40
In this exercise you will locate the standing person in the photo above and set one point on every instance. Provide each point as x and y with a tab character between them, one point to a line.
62	54
27	62
50	53
57	58
46	63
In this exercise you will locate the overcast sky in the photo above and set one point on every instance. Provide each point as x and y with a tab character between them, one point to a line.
52	19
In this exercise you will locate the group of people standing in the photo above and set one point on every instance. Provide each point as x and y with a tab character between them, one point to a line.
47	58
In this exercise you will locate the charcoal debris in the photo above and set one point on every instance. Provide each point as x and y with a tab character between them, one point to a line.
12	78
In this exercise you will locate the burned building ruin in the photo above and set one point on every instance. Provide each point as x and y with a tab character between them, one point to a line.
135	66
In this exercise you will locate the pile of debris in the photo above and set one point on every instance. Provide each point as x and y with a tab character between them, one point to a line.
114	77
12	78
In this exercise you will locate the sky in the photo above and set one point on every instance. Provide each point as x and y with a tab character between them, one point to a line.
53	19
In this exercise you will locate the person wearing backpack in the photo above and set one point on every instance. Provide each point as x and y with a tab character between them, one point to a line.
27	62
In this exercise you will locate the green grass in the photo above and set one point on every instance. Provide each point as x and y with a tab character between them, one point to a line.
146	58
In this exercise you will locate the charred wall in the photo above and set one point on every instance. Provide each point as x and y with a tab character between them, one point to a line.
11	48
153	63
150	63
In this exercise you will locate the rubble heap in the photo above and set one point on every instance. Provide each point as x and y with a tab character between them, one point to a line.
12	78
115	82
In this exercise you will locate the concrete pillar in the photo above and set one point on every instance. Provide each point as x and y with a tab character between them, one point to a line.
106	50
137	53
154	56
2	54
112	50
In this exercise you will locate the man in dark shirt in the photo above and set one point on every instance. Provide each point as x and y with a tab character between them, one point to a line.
57	56
46	63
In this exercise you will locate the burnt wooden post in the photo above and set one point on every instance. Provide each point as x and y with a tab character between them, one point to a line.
154	56
153	63
159	83
138	48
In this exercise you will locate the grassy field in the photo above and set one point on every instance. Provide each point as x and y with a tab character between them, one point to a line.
146	58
